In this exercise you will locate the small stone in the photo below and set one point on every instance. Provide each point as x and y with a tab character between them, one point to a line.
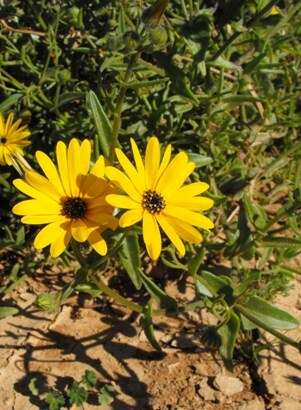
228	385
205	391
256	404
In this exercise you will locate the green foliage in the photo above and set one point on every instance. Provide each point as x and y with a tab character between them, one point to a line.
219	82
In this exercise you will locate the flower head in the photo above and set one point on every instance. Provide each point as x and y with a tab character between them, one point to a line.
154	192
70	200
13	139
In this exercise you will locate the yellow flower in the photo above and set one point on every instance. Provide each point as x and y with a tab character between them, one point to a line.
155	193
13	139
70	200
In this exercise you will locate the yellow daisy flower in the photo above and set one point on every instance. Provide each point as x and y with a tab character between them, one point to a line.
70	200
13	139
155	193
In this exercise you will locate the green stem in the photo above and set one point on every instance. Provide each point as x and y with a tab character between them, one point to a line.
264	326
119	102
248	24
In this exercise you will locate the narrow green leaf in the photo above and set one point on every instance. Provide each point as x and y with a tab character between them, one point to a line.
216	285
8	102
166	302
199	160
8	311
228	333
269	314
280	242
102	123
148	328
129	256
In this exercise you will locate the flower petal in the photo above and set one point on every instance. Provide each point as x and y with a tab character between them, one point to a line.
48	234
130	217
50	171
186	231
40	219
85	155
58	246
173	172
98	243
74	161
42	185
122	201
165	161
61	155
124	182
151	235
80	230
99	167
27	189
138	160
196	188
193	218
171	233
36	207
199	203
131	171
152	161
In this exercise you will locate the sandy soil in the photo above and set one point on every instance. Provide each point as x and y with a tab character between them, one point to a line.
55	348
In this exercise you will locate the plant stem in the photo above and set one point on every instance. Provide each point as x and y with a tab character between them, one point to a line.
119	103
274	332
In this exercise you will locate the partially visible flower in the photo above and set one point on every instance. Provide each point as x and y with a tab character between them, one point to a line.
13	139
70	200
154	192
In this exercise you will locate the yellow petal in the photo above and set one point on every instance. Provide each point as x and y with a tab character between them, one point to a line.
9	122
74	160
152	161
172	173
193	218
98	243
99	167
48	234
61	155
185	231
92	186
171	234
151	235
138	160
42	185
165	161
199	203
85	155
177	180
131	171
102	219
40	219
80	231
196	188
58	246
130	217
36	207
50	171
27	189
124	182
122	201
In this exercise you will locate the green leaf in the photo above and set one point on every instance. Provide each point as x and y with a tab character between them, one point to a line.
8	311
269	314
199	160
148	328
195	262
228	333
55	400
89	378
8	102
166	302
216	285
49	302
102	123
279	242
106	396
88	287
32	386
129	256
77	394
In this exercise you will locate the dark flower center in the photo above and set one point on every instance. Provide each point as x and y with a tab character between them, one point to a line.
153	202
74	208
3	140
